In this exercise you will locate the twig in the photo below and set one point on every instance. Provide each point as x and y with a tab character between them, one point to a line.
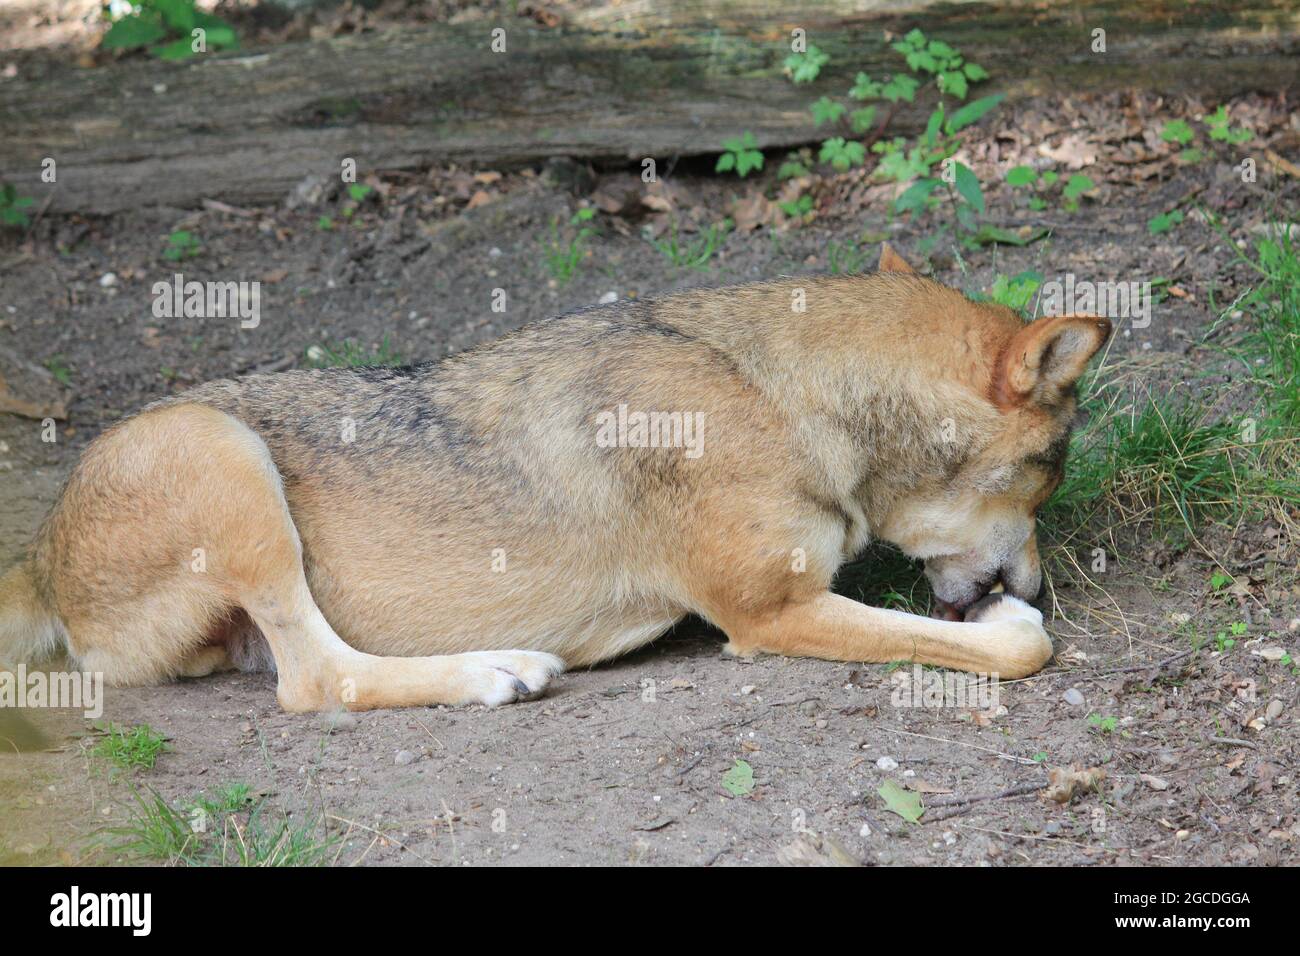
959	805
378	833
943	740
1235	742
1159	665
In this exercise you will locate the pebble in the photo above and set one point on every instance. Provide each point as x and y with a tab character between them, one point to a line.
822	723
865	831
108	279
1073	697
887	764
608	298
403	758
748	689
1154	782
808	707
1053	827
340	720
1274	710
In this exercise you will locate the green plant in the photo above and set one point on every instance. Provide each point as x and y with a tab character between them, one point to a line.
792	167
12	206
564	256
170	30
1221	130
230	829
696	253
806	66
797	207
181	244
1016	292
358	193
842	153
740	155
1181	133
351	354
1040	181
1164	222
136	748
1105	725
58	367
846	257
925	57
1075	187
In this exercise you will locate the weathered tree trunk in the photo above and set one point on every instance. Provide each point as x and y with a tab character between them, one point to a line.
245	127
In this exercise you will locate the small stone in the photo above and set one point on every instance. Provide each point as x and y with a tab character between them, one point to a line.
865	831
808	707
887	764
108	279
1179	617
822	723
748	689
1073	697
1154	782
609	298
1053	827
1274	710
403	758
340	720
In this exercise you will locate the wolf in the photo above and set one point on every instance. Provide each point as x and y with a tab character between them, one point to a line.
459	532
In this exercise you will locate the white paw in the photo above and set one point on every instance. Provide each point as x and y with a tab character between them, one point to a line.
1002	607
1021	645
503	677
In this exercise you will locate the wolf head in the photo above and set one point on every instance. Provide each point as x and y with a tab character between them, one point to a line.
974	524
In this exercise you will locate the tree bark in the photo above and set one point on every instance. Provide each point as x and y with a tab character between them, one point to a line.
245	127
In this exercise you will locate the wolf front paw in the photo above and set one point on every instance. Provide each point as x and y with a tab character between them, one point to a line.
503	677
1023	647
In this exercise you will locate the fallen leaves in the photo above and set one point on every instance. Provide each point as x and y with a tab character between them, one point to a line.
1065	782
899	801
739	780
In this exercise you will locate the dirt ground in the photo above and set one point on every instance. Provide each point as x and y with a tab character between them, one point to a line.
627	763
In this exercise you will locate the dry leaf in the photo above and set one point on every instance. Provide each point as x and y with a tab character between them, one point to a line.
1066	781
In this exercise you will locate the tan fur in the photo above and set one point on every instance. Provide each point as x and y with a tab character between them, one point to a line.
445	534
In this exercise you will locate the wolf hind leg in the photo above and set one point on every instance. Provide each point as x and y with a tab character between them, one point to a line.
185	506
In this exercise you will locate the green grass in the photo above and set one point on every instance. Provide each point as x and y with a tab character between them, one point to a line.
1143	459
351	354
696	253
1275	337
228	828
135	748
564	256
1148	459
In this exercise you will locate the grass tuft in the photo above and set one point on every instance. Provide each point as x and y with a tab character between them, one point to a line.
134	748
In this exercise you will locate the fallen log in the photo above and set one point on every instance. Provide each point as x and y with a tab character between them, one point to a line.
245	127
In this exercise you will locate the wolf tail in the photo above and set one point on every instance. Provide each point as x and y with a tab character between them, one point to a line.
29	628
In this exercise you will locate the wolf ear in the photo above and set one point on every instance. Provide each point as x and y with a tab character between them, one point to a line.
1046	357
891	261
